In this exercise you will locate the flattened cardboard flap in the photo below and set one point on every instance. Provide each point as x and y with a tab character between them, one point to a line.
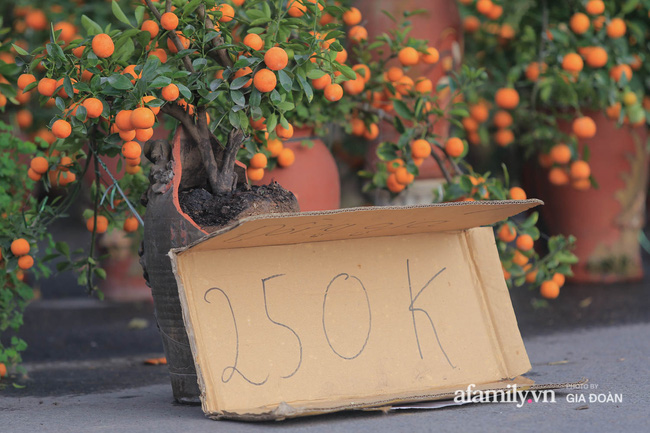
363	222
297	315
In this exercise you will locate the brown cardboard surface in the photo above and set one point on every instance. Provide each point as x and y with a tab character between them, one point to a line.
318	312
357	223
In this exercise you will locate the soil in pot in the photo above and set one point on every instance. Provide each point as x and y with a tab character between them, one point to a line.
213	211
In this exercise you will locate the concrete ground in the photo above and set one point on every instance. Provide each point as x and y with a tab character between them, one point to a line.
616	360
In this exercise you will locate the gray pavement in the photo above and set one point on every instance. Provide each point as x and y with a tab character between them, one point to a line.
616	359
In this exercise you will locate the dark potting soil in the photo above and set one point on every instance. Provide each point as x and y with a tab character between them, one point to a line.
214	211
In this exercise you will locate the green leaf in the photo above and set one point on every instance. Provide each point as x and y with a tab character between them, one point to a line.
238	97
256	113
629	6
214	84
100	273
59	103
566	257
234	119
92	28
402	109
309	92
240	82
285	81
285	106
531	220
54	50
187	94
275	97
243	119
20	50
139	15
159	82
120	82
259	22
399	125
255	14
386	151
199	63
62	266
117	11
255	98
191	7
125	49
315	74
271	122
67	86
375	45
459	112
81	113
347	71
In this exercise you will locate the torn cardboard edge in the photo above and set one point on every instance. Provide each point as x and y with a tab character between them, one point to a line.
451	217
441	399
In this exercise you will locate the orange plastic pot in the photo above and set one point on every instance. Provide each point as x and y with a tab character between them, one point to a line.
606	221
313	178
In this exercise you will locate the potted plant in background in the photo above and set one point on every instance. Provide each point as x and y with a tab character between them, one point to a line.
415	109
367	109
438	23
21	224
568	92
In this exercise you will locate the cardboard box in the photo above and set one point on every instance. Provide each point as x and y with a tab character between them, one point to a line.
308	313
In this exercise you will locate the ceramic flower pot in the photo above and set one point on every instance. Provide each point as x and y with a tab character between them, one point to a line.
166	226
313	178
606	220
124	281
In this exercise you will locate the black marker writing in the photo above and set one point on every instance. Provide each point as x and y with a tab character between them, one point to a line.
266	308
229	371
369	316
413	309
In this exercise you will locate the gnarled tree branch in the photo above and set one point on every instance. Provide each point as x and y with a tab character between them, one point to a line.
174	37
178	113
205	147
228	178
219	55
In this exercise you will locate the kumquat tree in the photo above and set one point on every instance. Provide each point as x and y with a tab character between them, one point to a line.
237	76
567	91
